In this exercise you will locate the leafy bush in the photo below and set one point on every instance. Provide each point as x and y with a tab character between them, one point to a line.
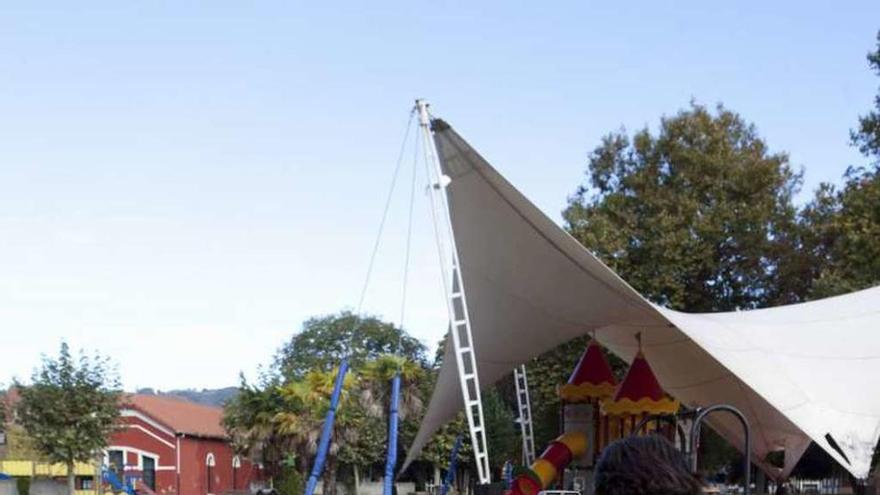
290	482
24	485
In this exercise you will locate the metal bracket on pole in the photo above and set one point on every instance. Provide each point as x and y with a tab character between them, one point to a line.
456	301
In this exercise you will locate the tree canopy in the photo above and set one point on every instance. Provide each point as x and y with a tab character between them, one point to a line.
325	340
70	408
285	412
867	136
698	216
842	224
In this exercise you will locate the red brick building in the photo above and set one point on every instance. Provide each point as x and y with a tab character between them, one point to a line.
177	447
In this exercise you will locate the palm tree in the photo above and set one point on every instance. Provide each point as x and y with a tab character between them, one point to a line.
278	419
306	404
249	420
377	374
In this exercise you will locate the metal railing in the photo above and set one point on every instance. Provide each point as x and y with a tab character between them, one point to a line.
747	441
36	468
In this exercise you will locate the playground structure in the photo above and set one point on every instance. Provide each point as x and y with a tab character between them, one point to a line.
126	485
597	411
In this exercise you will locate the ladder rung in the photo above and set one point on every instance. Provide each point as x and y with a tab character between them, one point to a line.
459	322
468	376
456	295
464	350
472	403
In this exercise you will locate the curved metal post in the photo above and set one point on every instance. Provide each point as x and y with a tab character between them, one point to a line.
747	446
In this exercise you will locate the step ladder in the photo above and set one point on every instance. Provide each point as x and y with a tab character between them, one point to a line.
456	300
524	407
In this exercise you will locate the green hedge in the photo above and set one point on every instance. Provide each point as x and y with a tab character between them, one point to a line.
24	485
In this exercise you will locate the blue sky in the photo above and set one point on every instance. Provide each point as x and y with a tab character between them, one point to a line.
183	183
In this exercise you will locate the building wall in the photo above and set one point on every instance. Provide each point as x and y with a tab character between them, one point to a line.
181	461
138	437
195	453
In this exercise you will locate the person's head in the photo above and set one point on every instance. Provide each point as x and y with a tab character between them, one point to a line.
647	465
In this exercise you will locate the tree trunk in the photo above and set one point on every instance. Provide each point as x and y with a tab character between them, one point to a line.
330	476
99	476
357	478
71	479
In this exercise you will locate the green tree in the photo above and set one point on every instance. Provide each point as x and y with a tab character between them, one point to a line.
19	445
502	436
325	340
843	231
698	217
287	410
842	226
359	431
374	398
3	413
302	416
867	135
70	408
249	419
439	448
376	377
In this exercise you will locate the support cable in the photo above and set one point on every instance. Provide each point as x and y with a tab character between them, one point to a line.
393	415
327	429
391	188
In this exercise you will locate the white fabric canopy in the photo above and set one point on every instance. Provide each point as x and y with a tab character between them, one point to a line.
802	372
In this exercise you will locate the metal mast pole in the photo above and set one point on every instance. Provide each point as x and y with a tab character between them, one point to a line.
459	318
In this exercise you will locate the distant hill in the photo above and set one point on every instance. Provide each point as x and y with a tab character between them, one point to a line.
209	397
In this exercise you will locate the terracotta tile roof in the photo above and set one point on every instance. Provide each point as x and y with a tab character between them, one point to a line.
180	415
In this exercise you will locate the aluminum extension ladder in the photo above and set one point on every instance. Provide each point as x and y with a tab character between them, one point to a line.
524	407
456	300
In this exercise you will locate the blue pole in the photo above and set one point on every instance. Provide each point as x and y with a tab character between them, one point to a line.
327	430
453	464
391	456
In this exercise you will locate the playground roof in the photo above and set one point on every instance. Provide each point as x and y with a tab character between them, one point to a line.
799	373
180	415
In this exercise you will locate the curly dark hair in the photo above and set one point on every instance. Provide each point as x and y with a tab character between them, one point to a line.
647	465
